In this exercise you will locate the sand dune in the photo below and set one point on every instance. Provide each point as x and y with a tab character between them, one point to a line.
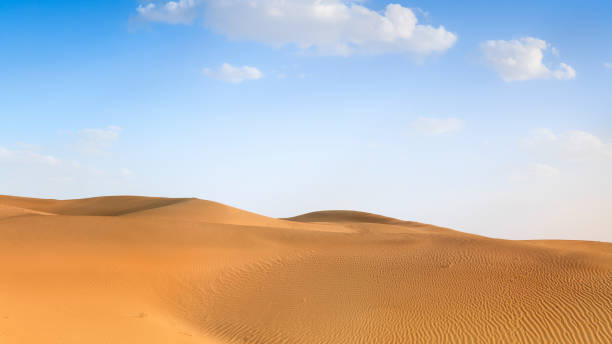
156	270
350	216
97	206
7	211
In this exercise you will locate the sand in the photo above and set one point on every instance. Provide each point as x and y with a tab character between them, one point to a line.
157	270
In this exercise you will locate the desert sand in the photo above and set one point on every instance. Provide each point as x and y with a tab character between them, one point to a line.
157	270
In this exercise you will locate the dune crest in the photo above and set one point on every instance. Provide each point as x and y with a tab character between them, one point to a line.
127	269
95	206
7	211
211	212
348	216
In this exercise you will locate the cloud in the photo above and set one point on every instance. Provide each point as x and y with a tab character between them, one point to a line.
608	65
437	126
234	75
8	156
27	169
575	145
536	172
539	170
172	12
331	27
542	171
541	135
97	141
522	59
580	143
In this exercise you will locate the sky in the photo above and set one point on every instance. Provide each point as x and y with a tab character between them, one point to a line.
490	117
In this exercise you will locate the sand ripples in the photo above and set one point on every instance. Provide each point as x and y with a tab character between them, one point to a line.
201	272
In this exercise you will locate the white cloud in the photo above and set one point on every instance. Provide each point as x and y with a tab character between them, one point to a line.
541	135
172	12
574	145
543	170
581	143
540	170
522	59
97	141
334	27
568	188
565	72
26	169
436	126
608	65
536	172
27	157
235	75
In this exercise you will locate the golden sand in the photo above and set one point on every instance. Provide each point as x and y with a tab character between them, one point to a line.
157	270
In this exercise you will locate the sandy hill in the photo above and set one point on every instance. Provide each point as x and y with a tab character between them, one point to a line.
211	212
96	206
346	216
175	209
129	269
7	211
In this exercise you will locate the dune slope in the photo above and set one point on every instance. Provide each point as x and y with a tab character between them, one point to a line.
96	206
349	216
156	270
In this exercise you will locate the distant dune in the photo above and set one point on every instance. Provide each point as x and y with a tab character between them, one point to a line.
128	269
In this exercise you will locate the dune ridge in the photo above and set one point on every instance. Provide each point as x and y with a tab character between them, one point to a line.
350	216
95	206
7	211
129	269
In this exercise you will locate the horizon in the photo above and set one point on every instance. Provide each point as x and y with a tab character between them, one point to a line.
321	211
493	119
201	199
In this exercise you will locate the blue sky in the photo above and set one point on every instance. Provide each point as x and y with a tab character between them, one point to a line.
489	117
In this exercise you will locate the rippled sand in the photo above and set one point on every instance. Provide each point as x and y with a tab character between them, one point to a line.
158	270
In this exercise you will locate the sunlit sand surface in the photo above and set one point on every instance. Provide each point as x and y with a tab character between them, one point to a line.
158	270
